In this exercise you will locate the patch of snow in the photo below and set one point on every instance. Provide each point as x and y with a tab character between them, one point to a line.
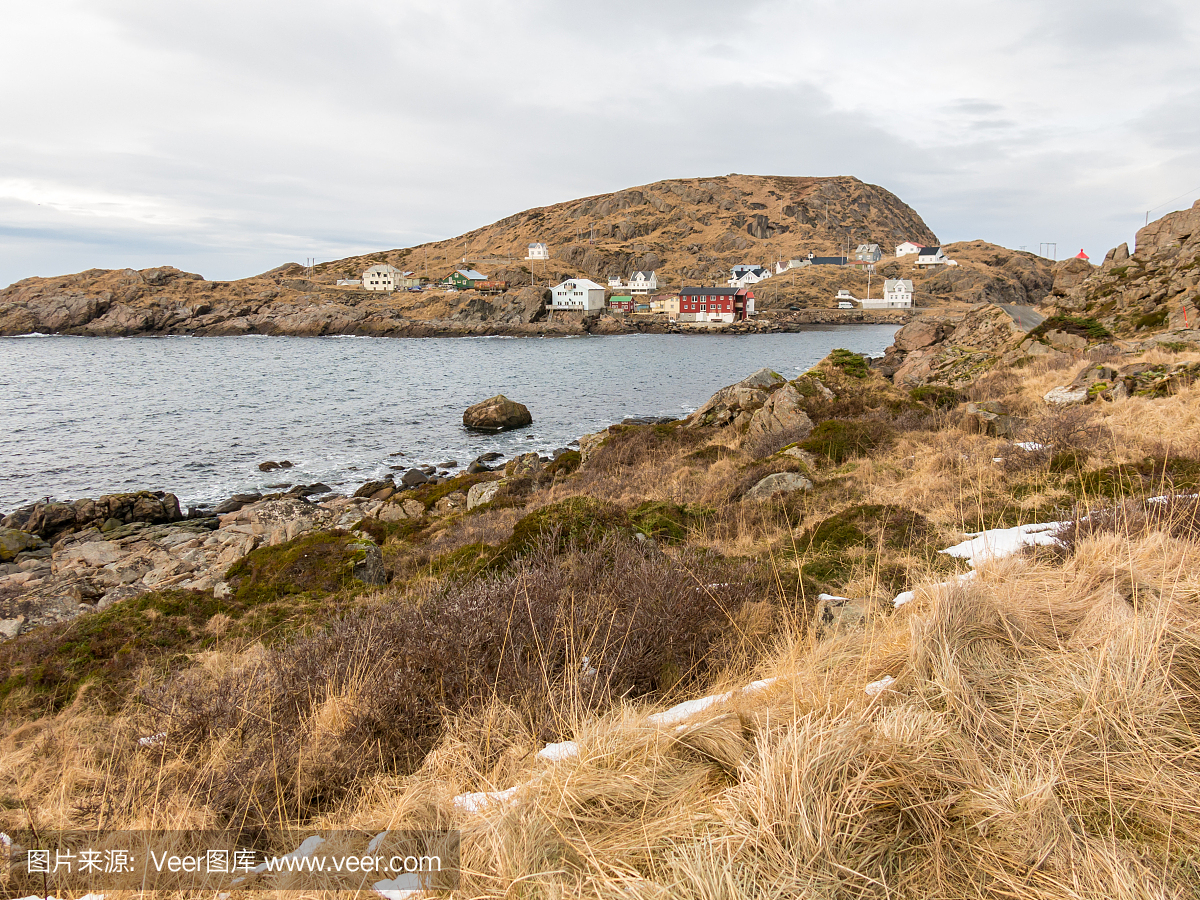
152	740
689	708
376	841
477	800
561	750
1030	446
402	887
905	596
875	688
996	543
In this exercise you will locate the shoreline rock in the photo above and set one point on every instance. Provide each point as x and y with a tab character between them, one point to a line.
496	414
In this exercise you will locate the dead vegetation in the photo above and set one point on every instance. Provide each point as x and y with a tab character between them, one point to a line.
1039	738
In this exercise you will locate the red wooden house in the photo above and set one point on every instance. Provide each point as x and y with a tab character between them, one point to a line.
715	304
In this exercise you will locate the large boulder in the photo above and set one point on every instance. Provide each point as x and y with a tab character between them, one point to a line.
497	414
783	413
737	403
483	492
527	465
13	542
918	334
990	418
779	483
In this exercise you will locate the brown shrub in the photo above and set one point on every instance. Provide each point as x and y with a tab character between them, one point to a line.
554	637
629	445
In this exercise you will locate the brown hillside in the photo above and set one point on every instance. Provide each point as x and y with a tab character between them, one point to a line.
687	229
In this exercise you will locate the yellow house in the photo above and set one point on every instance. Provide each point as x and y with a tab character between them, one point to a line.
665	303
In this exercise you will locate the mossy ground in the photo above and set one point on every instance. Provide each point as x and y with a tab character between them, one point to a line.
314	565
107	651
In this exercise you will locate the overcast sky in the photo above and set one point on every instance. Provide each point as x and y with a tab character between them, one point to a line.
228	137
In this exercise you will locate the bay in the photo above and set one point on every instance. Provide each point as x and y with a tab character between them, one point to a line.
82	417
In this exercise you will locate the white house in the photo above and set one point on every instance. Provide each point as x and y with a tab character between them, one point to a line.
538	251
614	281
578	295
897	294
747	277
868	253
382	277
931	256
643	282
908	248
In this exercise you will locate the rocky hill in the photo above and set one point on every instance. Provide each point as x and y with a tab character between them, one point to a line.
1152	293
688	230
1130	304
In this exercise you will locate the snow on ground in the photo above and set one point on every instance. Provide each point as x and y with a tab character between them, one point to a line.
982	546
676	715
561	750
683	711
306	849
905	596
875	688
477	800
398	888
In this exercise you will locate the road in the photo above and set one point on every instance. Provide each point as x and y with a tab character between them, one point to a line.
1026	317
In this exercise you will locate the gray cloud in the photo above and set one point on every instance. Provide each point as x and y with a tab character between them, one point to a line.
229	137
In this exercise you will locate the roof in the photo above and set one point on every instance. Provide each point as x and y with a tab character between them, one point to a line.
930	251
897	284
646	275
382	269
543	246
866	248
472	274
829	260
710	291
580	284
1082	255
911	244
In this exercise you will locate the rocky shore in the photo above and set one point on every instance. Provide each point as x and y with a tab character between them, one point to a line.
165	301
60	560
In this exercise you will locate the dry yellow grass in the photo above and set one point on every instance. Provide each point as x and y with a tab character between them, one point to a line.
1041	738
1039	741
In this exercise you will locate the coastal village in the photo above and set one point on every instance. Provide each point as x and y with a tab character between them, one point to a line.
690	305
731	254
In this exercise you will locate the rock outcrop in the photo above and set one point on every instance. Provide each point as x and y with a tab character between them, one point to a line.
497	414
1150	297
736	404
940	351
779	483
783	413
49	519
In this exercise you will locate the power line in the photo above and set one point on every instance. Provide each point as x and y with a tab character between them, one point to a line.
1172	200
